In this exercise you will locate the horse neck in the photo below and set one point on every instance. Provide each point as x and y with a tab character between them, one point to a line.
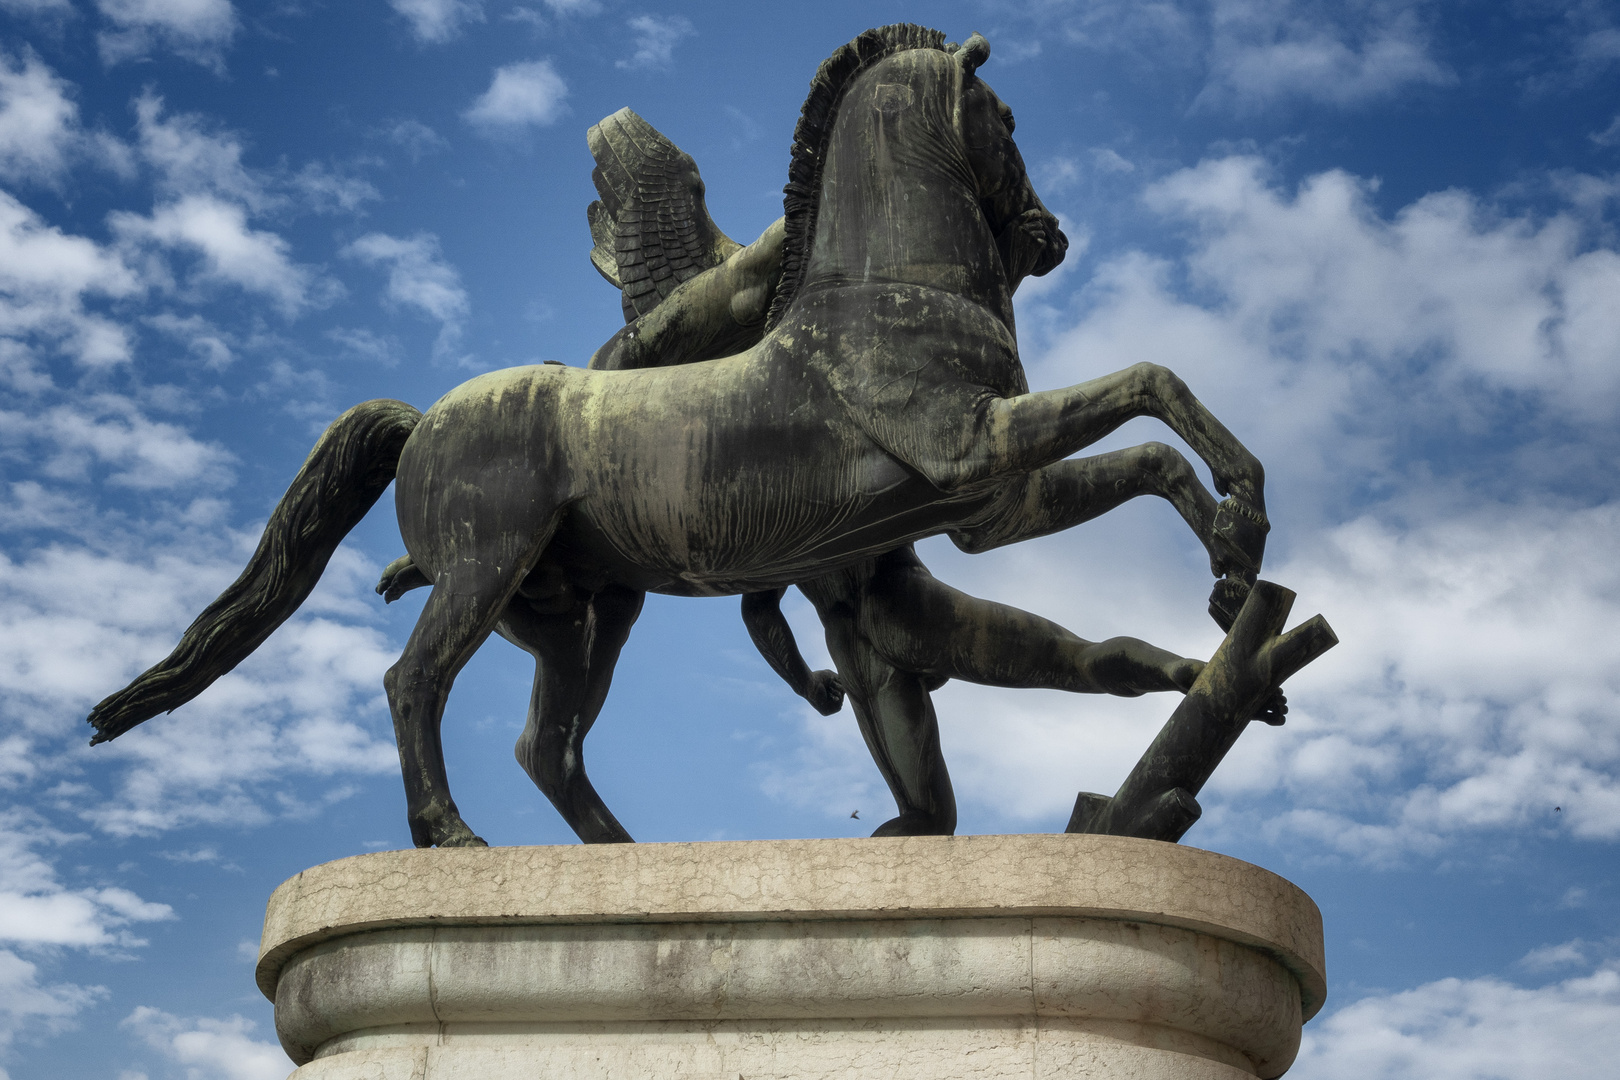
898	203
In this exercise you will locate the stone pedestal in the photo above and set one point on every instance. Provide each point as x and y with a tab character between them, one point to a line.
925	957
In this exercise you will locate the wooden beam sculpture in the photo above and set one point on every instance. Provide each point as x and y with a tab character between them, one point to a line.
1158	800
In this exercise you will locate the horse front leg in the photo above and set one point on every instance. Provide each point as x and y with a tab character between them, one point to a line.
1060	496
1028	432
1067	493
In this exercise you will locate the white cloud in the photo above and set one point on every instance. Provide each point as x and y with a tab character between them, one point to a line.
211	1049
1470	1029
1553	957
30	1009
112	431
1317	288
415	138
325	190
76	623
1167	30
519	95
45	277
1609	136
38	122
1264	53
418	278
38	912
434	22
191	161
36	909
37	259
656	38
198	30
366	344
1475	689
231	252
202	338
561	9
830	773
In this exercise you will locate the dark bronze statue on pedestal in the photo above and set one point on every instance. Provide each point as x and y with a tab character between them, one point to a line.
797	411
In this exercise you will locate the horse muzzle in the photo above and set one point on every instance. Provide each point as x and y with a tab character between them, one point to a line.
1057	246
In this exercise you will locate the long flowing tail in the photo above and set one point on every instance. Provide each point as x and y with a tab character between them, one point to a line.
349	469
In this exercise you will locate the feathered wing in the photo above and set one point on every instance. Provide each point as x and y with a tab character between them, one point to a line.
651	227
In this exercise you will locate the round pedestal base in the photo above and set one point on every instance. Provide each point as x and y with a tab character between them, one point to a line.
990	956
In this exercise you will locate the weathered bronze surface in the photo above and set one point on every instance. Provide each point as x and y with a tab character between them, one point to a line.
860	389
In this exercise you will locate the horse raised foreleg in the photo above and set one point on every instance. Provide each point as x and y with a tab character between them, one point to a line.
1070	492
1034	429
575	652
1030	431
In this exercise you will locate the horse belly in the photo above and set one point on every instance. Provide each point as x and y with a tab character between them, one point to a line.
716	522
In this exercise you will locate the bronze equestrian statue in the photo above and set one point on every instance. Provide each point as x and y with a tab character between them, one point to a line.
895	631
882	401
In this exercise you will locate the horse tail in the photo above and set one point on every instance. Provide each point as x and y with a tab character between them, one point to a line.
343	477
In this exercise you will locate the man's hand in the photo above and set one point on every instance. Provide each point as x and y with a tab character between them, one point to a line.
825	692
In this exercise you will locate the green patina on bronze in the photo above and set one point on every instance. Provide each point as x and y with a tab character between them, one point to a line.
860	389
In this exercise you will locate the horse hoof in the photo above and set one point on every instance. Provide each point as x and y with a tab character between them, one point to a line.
1240	533
912	825
468	840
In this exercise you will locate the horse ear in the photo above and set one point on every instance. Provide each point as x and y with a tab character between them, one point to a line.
974	52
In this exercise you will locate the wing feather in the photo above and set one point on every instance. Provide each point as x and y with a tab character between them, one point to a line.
650	227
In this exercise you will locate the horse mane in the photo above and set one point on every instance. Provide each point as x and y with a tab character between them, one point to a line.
801	199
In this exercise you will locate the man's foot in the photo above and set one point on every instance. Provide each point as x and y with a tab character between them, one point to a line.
1275	709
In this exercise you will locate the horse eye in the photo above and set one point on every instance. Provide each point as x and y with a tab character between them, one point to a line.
1007	118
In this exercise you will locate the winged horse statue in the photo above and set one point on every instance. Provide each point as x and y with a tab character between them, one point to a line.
860	389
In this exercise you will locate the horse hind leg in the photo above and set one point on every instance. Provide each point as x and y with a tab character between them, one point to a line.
467	600
575	652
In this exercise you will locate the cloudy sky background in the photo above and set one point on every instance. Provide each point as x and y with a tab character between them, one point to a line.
1377	237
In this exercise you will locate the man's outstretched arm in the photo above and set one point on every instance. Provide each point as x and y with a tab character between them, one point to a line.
762	614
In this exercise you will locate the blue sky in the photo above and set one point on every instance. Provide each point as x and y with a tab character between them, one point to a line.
1378	238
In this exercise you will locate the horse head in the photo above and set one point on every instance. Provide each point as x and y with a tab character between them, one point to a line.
904	170
1027	234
